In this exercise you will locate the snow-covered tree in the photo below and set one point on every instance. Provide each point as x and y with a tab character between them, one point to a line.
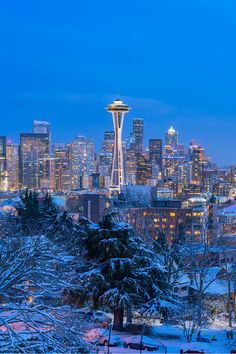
29	321
35	215
170	257
120	271
200	265
63	230
29	213
187	318
48	211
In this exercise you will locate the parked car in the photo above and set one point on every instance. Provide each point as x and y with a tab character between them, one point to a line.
115	341
133	342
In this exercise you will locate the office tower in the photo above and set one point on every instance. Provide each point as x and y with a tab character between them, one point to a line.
130	166
138	136
170	166
232	175
181	150
144	170
62	167
34	158
172	138
155	151
106	156
81	160
118	110
108	142
197	162
3	160
41	127
12	156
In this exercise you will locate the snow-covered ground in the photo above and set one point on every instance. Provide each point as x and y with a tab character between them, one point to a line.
221	346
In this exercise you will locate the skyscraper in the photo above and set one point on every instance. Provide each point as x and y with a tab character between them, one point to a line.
62	167
108	142
106	156
118	110
144	170
41	127
138	135
3	174
131	166
34	159
197	162
12	155
172	138
81	160
155	151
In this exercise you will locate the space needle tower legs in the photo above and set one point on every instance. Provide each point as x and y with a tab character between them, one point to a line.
118	110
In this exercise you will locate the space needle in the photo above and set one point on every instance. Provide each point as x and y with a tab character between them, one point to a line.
118	110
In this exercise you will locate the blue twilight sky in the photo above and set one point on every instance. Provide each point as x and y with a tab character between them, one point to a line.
173	61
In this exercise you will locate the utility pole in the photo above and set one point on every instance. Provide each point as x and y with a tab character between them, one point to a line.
109	339
141	338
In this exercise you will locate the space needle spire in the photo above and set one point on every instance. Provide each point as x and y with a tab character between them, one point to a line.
118	110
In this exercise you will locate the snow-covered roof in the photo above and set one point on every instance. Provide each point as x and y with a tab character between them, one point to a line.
219	286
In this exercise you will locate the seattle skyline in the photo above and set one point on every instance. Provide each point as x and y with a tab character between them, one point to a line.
61	66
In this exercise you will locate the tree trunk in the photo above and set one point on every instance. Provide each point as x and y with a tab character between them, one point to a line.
118	319
129	315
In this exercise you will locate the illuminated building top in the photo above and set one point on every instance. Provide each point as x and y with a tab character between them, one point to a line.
118	106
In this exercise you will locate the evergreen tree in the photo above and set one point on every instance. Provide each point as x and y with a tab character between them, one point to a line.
170	256
29	212
121	272
62	229
48	210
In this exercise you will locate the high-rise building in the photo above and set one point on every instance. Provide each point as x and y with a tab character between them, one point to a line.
33	159
41	127
130	166
81	160
62	167
138	135
118	110
172	138
197	162
12	156
3	160
144	170
108	142
155	151
106	156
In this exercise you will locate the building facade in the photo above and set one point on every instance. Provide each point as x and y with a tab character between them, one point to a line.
81	160
34	159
